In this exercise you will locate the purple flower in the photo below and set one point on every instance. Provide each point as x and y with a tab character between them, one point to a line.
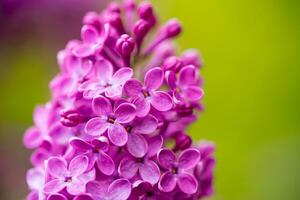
147	95
71	177
96	151
93	41
111	120
176	173
185	88
105	81
101	117
144	166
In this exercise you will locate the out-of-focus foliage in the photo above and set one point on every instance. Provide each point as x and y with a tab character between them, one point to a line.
252	66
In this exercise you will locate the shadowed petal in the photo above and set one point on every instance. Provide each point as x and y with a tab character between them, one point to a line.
89	34
133	87
154	78
120	189
96	126
154	145
187	75
127	168
83	50
54	186
189	158
161	101
171	79
125	113
121	76
97	189
105	164
101	106
145	125
142	106
84	197
193	93
101	143
80	144
117	134
78	165
57	167
166	158
167	182
32	138
187	183
137	145
56	197
149	172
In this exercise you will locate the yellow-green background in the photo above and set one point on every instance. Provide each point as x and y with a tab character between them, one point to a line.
252	94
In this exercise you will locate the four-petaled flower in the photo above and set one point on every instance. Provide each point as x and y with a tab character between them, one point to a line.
110	119
144	96
72	176
176	173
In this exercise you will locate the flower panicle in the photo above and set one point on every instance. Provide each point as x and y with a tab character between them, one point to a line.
116	125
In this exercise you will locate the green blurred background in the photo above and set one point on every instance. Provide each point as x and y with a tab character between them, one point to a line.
252	66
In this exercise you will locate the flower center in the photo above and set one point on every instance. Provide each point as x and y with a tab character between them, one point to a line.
128	129
146	93
111	120
174	170
68	179
150	194
95	150
178	90
140	160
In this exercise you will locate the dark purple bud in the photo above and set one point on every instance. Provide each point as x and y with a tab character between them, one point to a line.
92	18
115	21
182	141
145	11
172	63
171	29
192	57
70	118
114	7
140	30
125	46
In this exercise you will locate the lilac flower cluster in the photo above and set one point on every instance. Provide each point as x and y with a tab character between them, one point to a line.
115	128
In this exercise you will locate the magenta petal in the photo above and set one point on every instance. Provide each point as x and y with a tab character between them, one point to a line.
187	183
133	87
55	185
154	78
78	165
188	158
89	34
32	138
84	197
166	158
149	172
121	76
34	178
105	164
101	143
103	71
167	182
56	197
193	93
120	189
101	106
96	126
142	106
154	145
171	79
125	113
97	189
117	134
76	187
137	145
161	101
146	125
127	168
83	50
57	167
187	75
80	144
33	195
